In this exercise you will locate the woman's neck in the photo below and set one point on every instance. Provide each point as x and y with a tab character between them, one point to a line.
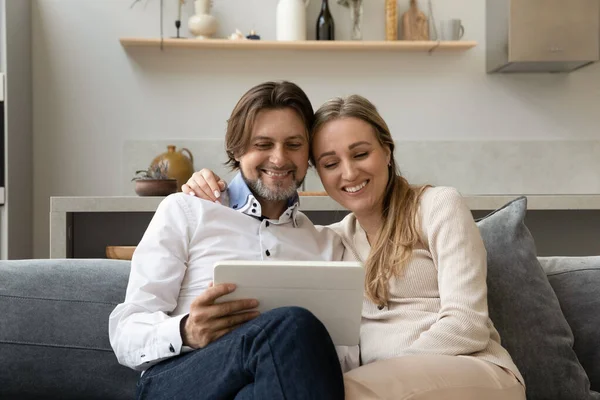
371	223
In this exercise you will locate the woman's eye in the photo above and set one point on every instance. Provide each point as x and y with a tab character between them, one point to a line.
329	165
361	155
262	146
294	145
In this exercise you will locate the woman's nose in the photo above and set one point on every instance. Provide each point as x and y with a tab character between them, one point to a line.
349	172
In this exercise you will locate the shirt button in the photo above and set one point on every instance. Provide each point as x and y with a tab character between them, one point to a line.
268	253
254	205
253	211
171	349
267	224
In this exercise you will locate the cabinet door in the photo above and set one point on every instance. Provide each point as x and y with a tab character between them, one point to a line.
554	30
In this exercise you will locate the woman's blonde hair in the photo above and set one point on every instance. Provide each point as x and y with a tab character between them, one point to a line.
399	232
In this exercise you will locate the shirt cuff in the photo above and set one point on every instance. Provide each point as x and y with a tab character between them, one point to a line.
168	337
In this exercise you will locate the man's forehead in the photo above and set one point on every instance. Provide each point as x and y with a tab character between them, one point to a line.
278	136
279	132
278	125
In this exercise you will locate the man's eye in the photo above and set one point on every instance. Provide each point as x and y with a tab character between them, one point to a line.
294	145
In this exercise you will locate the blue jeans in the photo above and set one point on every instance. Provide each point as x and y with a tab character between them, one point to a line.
285	353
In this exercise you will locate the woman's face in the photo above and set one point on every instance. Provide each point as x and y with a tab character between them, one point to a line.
352	164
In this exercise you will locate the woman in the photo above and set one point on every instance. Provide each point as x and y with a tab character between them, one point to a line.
425	332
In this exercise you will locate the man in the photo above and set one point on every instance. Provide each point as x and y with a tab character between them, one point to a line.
169	325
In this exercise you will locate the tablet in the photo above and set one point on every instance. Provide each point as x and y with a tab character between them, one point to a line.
332	291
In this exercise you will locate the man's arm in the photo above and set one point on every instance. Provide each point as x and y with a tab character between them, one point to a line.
141	330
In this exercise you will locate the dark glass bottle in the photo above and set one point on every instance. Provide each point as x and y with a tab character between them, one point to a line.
325	24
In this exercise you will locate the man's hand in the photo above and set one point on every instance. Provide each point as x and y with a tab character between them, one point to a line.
208	321
205	184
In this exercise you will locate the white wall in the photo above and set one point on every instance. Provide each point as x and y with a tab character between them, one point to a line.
91	95
16	214
2	37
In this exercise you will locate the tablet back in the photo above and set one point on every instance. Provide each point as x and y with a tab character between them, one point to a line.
332	291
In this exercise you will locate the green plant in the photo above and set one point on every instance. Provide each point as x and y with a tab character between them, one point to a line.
155	171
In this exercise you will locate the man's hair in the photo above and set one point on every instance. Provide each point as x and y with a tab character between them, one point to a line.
266	96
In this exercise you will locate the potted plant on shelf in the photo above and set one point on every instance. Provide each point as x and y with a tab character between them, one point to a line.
154	181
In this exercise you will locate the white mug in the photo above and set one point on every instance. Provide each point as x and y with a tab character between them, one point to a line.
451	29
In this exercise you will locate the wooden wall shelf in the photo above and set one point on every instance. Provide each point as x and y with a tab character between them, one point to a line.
308	45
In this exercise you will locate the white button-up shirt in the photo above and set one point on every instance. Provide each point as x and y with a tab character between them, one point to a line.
173	263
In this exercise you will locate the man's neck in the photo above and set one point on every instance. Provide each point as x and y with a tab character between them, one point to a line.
273	209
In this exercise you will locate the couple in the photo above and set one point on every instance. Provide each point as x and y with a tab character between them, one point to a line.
425	333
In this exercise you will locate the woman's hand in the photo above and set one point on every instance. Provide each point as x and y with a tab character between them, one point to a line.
205	184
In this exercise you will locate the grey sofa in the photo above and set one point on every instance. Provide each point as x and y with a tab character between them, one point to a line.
54	340
54	331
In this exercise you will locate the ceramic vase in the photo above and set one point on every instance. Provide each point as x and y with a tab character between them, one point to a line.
155	187
202	25
291	19
179	164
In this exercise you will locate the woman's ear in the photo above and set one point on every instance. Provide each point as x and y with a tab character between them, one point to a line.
389	156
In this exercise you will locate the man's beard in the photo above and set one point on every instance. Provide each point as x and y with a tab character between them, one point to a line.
280	193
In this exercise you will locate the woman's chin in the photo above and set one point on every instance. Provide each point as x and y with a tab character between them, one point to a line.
355	205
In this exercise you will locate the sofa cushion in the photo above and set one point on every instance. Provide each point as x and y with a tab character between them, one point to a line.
576	282
54	331
526	311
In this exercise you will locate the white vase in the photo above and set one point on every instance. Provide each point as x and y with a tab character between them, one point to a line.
202	24
291	19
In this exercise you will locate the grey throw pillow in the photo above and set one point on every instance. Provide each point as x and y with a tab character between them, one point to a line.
526	312
576	281
54	330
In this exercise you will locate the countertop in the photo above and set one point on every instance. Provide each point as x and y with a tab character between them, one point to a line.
322	203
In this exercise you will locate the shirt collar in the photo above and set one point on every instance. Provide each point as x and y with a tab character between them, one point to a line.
243	200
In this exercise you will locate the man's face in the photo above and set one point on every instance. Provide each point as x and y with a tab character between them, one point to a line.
276	159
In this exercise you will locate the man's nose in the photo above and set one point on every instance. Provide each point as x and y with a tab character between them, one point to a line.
278	156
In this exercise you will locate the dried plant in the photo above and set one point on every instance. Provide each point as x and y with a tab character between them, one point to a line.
182	2
155	171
